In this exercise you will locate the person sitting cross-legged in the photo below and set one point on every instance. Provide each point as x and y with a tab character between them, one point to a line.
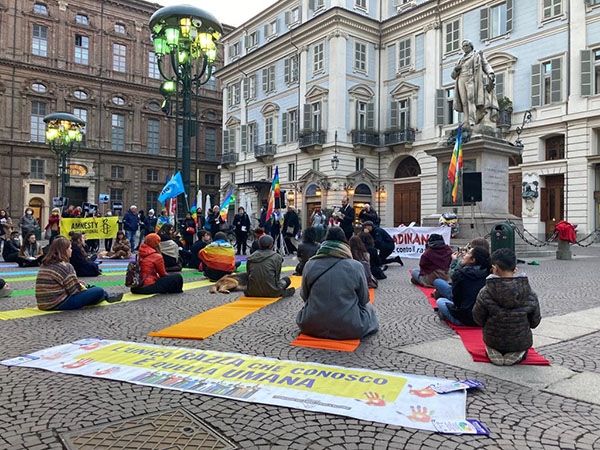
218	258
335	293
155	279
264	272
434	262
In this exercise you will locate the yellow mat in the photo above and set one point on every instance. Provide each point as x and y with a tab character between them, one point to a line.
214	320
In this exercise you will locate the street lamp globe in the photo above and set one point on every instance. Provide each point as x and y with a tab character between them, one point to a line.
185	43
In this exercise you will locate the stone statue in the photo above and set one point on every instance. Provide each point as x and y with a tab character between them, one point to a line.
474	93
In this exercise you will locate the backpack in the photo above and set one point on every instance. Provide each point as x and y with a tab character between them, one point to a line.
133	276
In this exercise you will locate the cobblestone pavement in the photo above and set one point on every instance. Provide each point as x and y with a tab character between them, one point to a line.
35	405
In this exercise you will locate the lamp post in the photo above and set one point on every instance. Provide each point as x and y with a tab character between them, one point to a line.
184	38
64	133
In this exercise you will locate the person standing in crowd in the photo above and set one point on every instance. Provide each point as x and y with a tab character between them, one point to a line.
212	221
77	212
434	262
264	272
276	231
57	287
31	252
5	226
307	248
218	258
291	227
383	242
367	213
161	220
12	247
141	227
319	223
346	218
264	221
28	222
201	219
241	223
155	279
188	227
108	241
334	310
150	222
68	213
130	224
53	227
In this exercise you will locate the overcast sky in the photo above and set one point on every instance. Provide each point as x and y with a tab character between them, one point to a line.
230	12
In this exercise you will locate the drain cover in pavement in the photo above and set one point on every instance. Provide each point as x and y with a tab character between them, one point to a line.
173	430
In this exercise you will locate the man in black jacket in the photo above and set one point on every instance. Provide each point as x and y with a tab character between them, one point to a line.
10	252
383	242
346	218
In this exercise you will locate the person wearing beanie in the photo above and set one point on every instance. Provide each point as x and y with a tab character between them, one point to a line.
155	279
258	231
434	262
218	258
264	272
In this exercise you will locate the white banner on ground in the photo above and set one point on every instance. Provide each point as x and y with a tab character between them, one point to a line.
410	241
386	397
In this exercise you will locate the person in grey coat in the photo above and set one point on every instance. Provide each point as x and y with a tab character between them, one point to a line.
334	309
28	222
264	272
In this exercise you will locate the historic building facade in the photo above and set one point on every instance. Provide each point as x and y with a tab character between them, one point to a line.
93	59
367	83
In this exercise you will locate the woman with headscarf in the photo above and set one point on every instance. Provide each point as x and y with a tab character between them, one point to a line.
334	310
155	279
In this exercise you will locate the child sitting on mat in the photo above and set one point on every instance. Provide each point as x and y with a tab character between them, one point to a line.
507	309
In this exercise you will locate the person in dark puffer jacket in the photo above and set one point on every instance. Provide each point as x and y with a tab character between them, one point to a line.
507	309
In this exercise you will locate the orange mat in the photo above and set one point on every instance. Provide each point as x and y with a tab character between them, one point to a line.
347	345
214	320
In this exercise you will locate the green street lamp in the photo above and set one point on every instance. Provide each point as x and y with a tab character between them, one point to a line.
186	37
64	133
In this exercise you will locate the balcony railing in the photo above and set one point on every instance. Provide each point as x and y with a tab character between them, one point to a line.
264	150
399	137
370	138
229	158
309	138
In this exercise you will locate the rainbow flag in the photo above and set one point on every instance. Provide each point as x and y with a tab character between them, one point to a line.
225	205
456	164
194	212
274	193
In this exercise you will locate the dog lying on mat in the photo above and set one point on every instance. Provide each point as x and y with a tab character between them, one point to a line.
233	282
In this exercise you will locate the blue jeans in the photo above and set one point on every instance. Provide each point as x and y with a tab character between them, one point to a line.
443	287
90	296
416	275
130	235
443	305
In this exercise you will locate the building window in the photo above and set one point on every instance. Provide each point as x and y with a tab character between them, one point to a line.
152	200
118	132
153	71
153	145
38	127
268	130
249	175
210	143
360	57
269	170
234	94
210	179
496	20
39	43
37	189
361	116
116	196
292	17
118	100
234	50
318	57
81	113
551	9
290	126
120	28
119	57
37	171
546	82
291	171
400	114
249	86
82	19
290	69
40	8
117	173
316	116
251	40
211	84
404	52
453	36
360	164
249	137
445	114
316	5
315	164
270	29
80	95
152	175
82	48
555	148
268	78
39	88
360	4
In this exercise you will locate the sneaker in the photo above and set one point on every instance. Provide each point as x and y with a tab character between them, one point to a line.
114	298
289	292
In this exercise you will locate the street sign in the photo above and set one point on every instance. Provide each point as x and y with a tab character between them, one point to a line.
59	202
103	198
118	206
89	208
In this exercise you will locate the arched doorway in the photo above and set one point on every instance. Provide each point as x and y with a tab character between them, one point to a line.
407	192
37	205
362	194
313	199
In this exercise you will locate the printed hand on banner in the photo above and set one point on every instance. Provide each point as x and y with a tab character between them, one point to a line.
422	393
373	399
52	356
77	364
106	371
419	414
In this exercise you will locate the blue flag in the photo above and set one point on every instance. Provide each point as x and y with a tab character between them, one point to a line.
173	188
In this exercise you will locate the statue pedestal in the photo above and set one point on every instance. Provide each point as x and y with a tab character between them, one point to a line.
490	155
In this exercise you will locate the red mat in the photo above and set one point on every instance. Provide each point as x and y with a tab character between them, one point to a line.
472	338
348	345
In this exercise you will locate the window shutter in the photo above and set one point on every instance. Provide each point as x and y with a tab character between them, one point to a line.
266	30
311	4
229	96
509	15
225	141
307	110
265	79
440	102
556	81
536	85
394	115
232	141
288	17
244	138
246	41
500	85
284	127
272	77
484	24
286	70
254	139
586	72
589	2
246	85
371	117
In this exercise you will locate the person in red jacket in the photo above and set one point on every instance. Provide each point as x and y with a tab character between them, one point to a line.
434	263
155	279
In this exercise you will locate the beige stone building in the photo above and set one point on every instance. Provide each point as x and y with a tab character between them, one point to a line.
93	59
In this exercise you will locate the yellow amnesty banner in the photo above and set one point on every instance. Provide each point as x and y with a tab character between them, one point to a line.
93	227
380	396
